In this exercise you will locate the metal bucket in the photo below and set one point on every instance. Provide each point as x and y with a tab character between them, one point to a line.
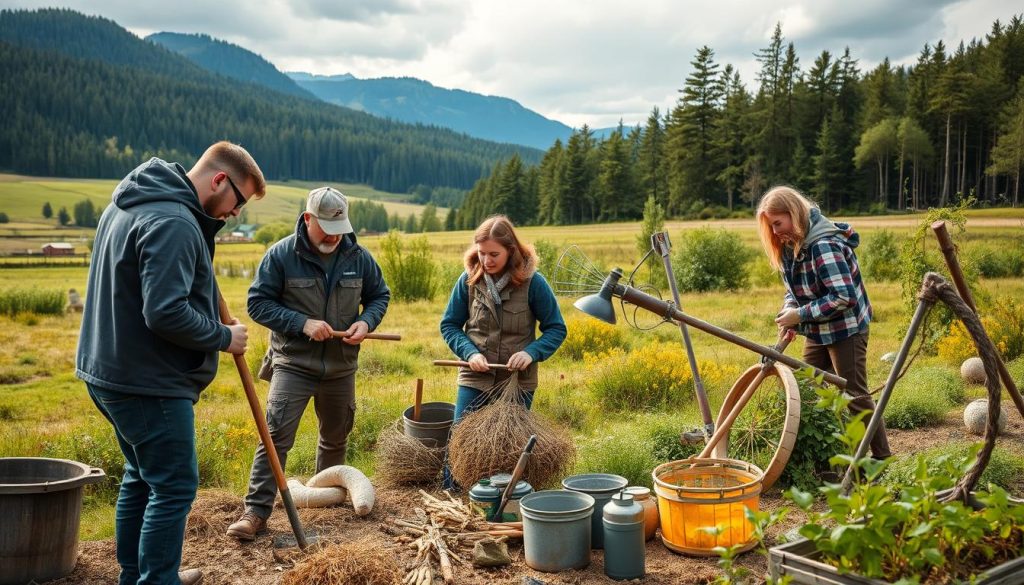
600	486
40	507
434	425
556	529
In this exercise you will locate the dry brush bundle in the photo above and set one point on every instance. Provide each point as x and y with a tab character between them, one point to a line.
490	440
359	562
404	460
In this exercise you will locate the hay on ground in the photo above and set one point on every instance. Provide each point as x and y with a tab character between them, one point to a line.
358	562
212	512
404	460
491	439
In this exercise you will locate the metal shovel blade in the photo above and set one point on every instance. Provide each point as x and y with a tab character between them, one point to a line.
289	540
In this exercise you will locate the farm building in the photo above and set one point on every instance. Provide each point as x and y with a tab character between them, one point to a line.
58	249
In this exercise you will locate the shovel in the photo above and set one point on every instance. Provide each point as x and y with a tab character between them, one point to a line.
516	474
301	538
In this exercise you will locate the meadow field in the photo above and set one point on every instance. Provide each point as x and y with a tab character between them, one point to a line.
45	411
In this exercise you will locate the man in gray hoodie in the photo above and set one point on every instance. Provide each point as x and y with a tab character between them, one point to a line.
150	340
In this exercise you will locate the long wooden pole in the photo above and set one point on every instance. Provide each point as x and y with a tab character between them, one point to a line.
264	432
378	336
949	252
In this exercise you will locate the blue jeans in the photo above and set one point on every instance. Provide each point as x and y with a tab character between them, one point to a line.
466	401
161	476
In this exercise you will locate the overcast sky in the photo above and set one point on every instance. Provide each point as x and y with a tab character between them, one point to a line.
577	61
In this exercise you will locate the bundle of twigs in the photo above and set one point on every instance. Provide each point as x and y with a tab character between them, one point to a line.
404	460
438	531
490	440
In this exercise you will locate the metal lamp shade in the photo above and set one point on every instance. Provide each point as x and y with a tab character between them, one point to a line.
598	306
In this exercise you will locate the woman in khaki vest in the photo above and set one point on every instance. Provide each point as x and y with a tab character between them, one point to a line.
493	313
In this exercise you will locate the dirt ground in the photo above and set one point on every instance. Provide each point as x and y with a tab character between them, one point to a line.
225	561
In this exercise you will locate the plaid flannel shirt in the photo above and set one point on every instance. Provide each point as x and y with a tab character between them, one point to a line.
823	281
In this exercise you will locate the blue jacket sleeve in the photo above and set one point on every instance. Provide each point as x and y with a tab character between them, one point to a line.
264	302
375	295
454	320
168	252
544	306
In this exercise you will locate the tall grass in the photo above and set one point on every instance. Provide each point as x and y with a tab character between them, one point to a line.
45	301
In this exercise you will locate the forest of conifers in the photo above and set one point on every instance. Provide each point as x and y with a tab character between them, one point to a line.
83	97
950	126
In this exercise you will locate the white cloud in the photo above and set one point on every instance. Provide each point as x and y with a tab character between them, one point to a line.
578	61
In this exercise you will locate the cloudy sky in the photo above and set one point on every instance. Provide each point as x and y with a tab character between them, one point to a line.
577	61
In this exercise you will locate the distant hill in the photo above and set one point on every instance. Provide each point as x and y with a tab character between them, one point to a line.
83	97
229	60
414	100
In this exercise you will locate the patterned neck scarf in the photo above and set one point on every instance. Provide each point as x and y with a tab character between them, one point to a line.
495	288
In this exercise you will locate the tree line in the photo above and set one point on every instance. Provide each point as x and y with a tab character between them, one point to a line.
84	98
893	137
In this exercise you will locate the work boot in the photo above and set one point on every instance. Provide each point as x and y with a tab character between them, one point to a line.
247	527
190	577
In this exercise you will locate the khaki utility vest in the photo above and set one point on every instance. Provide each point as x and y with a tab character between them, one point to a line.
498	335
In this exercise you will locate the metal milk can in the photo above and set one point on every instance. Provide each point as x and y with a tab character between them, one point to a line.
623	537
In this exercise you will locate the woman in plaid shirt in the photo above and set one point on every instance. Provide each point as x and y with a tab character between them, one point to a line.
825	300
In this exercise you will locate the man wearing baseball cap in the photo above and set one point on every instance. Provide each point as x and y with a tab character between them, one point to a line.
309	285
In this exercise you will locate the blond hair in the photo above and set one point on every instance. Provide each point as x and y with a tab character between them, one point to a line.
235	160
499	229
782	199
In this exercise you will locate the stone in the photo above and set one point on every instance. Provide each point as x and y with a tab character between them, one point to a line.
889	357
490	552
976	415
973	370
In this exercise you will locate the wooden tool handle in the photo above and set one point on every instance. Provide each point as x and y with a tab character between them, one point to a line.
418	401
379	336
517	472
462	364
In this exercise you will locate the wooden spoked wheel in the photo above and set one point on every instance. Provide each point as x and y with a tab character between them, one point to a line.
765	429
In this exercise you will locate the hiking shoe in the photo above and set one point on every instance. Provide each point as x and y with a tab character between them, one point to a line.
190	577
247	527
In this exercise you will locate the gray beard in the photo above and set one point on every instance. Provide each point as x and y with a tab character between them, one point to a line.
325	248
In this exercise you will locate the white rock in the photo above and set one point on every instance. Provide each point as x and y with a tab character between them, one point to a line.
973	370
976	414
889	357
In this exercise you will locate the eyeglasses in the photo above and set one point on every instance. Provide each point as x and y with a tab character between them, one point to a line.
240	199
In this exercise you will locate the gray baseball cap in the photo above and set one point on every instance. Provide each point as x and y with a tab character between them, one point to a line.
330	208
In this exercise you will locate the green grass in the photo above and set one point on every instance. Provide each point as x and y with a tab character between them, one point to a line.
46	413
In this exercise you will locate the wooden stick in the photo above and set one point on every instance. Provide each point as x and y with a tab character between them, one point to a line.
418	400
949	251
462	364
378	336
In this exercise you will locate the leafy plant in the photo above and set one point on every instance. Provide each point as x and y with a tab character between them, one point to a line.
590	336
408	267
710	259
41	301
881	258
911	536
817	440
923	397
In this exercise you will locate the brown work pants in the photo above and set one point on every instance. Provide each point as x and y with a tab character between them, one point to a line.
849	359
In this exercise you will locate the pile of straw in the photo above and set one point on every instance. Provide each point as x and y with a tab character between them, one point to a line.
212	512
359	562
404	460
491	439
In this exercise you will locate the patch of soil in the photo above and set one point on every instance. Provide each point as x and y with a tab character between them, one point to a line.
225	561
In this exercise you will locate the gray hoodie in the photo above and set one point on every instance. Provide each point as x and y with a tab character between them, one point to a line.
150	325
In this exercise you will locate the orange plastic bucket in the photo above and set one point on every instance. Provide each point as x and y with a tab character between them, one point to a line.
698	493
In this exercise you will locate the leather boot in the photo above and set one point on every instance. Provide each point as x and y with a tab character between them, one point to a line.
190	577
247	527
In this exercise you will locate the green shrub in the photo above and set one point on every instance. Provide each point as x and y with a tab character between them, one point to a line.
923	397
630	458
587	335
881	256
936	380
816	441
561	405
40	301
547	257
709	259
95	445
272	232
1005	262
408	267
663	432
1004	469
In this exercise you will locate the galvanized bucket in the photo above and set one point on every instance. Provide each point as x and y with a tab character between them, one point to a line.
556	529
434	425
600	486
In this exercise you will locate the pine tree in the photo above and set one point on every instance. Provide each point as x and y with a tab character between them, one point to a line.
1008	154
62	216
429	221
47	210
651	160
